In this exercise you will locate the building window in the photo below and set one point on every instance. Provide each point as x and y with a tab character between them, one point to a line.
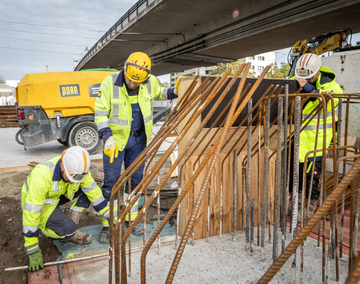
260	68
261	58
251	57
252	67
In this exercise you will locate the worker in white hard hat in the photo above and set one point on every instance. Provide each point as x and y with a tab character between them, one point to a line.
313	78
124	117
50	184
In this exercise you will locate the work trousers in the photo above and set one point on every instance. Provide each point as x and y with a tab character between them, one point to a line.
61	226
112	171
315	191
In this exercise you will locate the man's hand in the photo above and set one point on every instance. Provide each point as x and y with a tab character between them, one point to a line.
111	149
301	82
36	261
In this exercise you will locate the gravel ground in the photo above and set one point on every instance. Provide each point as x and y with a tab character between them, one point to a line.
226	261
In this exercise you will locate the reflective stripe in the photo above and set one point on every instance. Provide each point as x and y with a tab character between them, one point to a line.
77	209
31	249
55	186
49	201
164	94
148	86
314	127
27	229
98	201
90	187
115	88
106	214
101	113
148	118
52	169
328	115
115	108
33	208
115	203
118	121
48	164
103	125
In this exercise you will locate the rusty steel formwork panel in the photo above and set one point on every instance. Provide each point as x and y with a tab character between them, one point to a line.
270	113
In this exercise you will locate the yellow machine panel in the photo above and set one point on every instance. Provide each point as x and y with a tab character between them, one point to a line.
67	93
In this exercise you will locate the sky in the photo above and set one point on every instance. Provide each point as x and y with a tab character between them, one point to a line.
35	34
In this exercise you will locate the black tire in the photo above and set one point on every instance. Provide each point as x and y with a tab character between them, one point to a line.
17	136
85	134
62	142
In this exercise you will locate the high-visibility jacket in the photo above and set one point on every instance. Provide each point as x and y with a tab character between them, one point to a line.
41	193
113	107
324	83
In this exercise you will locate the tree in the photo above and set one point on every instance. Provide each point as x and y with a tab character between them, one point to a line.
2	81
278	72
222	67
164	85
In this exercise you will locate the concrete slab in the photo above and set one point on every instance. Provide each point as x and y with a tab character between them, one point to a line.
13	154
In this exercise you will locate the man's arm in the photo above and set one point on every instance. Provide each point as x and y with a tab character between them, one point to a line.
94	193
103	108
37	186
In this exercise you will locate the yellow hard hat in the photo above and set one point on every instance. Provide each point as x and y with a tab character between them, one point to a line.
137	67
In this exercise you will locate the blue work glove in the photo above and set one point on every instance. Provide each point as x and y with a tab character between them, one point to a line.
36	261
111	149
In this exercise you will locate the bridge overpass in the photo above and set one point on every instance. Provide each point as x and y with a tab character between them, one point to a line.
179	35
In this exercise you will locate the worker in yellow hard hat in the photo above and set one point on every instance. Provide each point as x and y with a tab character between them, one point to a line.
124	117
50	184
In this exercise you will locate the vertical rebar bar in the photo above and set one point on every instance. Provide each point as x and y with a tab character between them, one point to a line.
266	178
234	193
252	212
248	179
277	180
284	193
297	121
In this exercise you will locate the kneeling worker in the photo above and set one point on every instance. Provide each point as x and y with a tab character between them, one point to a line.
49	185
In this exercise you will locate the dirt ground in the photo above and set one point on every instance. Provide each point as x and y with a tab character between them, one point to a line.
11	241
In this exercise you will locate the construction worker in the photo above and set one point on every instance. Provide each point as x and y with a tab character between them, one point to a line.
123	114
313	77
49	185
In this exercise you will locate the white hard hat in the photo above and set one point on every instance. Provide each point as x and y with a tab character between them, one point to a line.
307	66
76	162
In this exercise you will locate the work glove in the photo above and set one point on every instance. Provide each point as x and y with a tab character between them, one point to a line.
111	149
36	261
177	85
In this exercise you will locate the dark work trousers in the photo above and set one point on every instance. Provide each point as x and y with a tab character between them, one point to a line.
61	223
133	148
315	192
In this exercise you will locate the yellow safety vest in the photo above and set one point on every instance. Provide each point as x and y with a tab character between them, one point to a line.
113	107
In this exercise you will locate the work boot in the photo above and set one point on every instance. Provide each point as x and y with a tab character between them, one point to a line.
137	231
104	235
73	215
79	238
312	207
